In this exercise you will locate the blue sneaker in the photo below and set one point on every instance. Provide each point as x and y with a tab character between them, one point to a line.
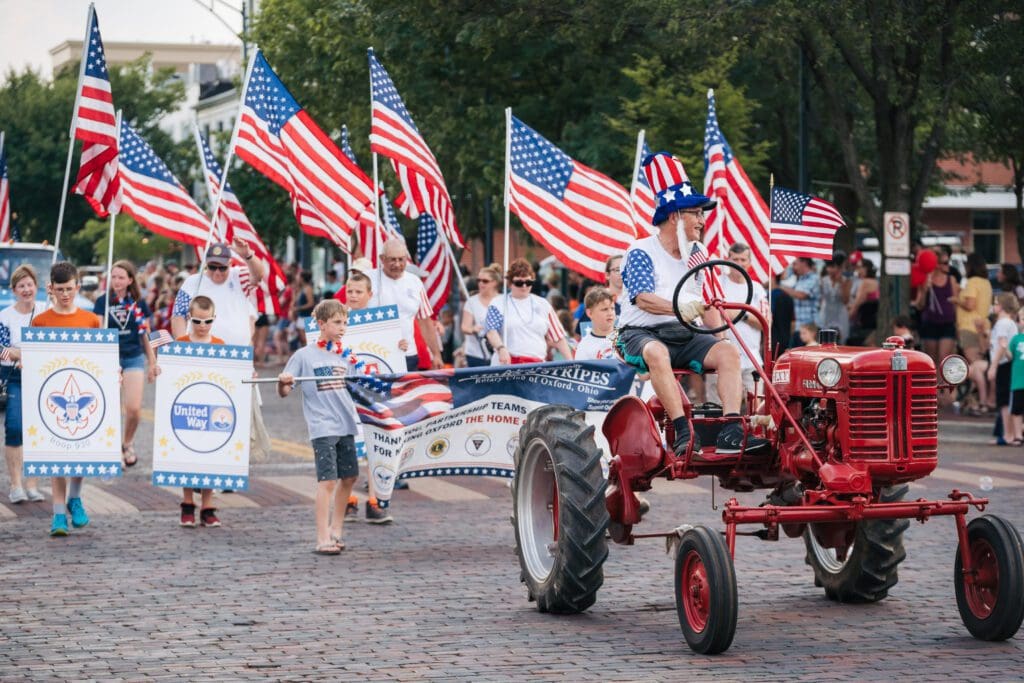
77	510
60	525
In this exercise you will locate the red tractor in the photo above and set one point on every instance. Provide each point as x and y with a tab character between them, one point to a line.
849	427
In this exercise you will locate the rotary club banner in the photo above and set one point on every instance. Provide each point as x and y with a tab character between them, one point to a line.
466	421
202	416
71	406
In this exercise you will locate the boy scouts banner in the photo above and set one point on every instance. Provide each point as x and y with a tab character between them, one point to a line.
202	416
71	405
466	421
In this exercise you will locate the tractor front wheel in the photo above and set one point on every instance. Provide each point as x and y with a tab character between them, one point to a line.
559	512
866	569
706	597
991	603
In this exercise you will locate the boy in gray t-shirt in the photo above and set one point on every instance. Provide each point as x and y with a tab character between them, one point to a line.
331	418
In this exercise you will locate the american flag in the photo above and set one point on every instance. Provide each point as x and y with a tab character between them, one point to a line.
642	197
160	337
580	215
232	222
711	288
741	215
432	257
393	134
334	377
400	400
94	124
329	193
5	195
154	197
803	225
388	228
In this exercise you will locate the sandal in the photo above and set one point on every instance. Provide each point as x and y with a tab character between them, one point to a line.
128	456
327	549
1017	442
338	542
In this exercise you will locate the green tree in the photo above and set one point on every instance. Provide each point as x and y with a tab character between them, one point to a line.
131	241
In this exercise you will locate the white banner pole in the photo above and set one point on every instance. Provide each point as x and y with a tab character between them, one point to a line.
508	219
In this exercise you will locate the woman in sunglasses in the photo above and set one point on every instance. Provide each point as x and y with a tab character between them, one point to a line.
474	315
527	321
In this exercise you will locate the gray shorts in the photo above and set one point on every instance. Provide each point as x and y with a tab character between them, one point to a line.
685	349
335	457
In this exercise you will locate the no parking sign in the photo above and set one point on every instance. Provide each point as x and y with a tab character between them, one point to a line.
897	234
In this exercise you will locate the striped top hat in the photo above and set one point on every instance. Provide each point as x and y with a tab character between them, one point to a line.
673	191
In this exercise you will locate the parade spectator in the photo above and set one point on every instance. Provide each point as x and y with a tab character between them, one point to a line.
63	288
474	315
938	314
809	334
835	295
863	310
1000	366
331	419
280	340
1016	352
122	308
202	314
595	344
302	306
331	285
903	326
531	321
972	308
24	284
806	294
1008	279
782	319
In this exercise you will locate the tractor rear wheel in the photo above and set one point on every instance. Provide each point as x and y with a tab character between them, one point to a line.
992	606
559	512
867	569
706	597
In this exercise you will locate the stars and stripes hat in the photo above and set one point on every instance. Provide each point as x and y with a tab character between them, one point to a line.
672	188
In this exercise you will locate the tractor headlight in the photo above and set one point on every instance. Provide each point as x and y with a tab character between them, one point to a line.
829	373
953	369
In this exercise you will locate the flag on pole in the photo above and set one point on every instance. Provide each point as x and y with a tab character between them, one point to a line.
232	222
329	193
394	135
433	260
711	287
741	214
154	197
94	124
803	225
5	195
642	197
580	215
389	227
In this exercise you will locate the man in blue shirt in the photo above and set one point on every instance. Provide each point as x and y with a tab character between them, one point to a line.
806	295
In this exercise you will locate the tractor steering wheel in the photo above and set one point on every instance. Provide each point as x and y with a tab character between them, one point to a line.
710	264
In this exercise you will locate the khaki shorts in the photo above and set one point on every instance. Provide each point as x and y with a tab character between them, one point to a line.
968	339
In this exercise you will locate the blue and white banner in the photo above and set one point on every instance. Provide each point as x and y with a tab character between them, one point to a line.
71	405
201	420
466	421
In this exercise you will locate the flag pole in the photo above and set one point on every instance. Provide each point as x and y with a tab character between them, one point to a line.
71	130
376	190
771	201
636	170
455	265
508	220
199	146
110	235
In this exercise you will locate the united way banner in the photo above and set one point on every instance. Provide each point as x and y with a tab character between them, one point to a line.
202	416
466	421
71	402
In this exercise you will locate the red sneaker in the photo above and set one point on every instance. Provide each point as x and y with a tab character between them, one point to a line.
188	515
208	517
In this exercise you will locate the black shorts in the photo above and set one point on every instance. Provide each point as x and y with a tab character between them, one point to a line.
335	457
1003	374
937	331
685	349
262	321
1017	402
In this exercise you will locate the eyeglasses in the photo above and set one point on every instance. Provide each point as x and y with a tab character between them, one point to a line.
202	321
210	266
699	213
523	283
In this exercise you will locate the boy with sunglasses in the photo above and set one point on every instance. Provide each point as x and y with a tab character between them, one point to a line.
202	314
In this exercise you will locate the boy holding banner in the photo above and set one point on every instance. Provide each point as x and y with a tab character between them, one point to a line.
331	418
63	289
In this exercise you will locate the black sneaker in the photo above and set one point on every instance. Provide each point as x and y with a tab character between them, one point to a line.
682	439
730	440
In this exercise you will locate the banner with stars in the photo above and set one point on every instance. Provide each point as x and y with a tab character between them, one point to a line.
71	412
202	416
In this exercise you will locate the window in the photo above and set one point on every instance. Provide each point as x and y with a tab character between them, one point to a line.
987	235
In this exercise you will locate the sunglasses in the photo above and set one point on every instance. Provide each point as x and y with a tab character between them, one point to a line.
202	321
523	283
211	266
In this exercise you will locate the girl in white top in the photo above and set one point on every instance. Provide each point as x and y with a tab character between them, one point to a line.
474	315
531	322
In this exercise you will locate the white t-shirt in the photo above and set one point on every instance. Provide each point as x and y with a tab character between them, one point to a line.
234	313
476	308
648	268
531	321
592	347
11	322
408	294
737	292
1004	329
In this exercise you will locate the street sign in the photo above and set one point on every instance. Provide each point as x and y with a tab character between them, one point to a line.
897	266
897	235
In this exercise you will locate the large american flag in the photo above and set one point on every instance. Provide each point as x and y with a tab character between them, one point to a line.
154	197
5	195
394	135
389	227
94	124
803	225
329	193
741	214
432	257
400	400
642	197
580	215
232	222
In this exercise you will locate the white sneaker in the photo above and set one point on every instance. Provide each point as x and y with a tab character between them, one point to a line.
35	495
18	496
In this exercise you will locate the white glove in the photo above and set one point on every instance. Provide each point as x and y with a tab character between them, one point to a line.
691	310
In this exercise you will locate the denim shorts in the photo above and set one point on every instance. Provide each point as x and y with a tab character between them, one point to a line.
335	457
12	417
134	363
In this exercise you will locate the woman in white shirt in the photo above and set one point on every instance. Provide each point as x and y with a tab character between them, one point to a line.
527	321
474	315
24	284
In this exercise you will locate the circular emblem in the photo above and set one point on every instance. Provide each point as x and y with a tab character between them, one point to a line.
437	447
383	478
511	445
478	443
72	404
404	458
203	417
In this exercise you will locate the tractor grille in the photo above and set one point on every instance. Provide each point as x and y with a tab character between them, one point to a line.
893	416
